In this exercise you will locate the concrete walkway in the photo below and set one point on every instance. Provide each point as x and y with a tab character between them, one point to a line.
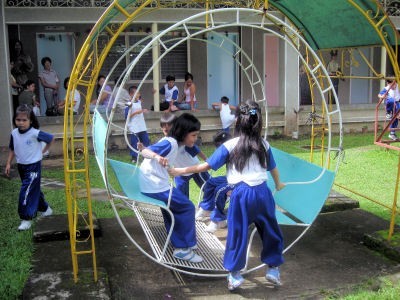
331	258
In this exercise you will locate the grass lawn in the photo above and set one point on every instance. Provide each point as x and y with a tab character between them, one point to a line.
367	169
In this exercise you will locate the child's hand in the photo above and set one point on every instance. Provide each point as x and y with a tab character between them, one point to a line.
161	160
175	172
280	186
140	146
7	170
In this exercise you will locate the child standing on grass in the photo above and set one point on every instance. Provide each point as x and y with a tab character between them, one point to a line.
392	94
137	127
154	182
25	146
248	157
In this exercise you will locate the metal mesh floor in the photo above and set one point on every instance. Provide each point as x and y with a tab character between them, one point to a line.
209	246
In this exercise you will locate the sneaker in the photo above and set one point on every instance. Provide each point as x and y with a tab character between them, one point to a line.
214	226
234	280
48	212
202	214
187	254
25	225
273	276
388	116
393	136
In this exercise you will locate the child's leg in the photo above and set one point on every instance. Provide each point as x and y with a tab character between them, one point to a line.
208	202
268	228
182	184
238	222
184	232
390	105
218	213
134	141
144	138
201	178
30	193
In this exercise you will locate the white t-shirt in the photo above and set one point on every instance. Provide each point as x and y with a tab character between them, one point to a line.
253	174
187	156
26	145
136	123
227	118
153	177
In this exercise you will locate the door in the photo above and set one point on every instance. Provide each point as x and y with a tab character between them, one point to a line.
60	48
360	89
271	69
222	68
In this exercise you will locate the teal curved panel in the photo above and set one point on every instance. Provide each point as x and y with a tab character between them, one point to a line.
303	201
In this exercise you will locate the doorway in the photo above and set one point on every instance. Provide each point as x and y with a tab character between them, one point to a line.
222	68
60	48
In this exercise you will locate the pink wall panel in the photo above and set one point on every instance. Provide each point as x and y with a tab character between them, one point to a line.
271	59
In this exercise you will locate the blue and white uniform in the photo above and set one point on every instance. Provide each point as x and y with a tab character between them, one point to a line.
187	156
251	202
227	118
27	148
137	125
214	197
154	182
392	103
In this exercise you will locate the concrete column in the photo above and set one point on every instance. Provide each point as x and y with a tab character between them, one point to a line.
291	90
6	110
156	71
382	83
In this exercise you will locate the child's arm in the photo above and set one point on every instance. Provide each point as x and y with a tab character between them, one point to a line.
216	105
193	169
9	160
48	145
202	155
147	153
275	175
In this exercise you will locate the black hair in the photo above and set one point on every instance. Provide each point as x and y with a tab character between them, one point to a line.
98	86
167	118
169	78
26	109
66	80
221	137
28	83
188	76
334	53
132	87
44	59
248	128
183	125
224	99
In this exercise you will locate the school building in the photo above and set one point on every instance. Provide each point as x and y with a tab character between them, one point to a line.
58	29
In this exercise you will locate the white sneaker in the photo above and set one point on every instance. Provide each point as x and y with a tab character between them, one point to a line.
202	214
25	225
214	226
393	136
187	254
48	212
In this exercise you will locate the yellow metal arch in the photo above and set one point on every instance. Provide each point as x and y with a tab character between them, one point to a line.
115	19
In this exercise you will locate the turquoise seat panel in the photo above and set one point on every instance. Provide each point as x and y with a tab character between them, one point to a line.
128	178
99	133
303	201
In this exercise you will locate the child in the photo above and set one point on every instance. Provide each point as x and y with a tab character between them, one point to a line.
392	94
28	95
227	119
247	158
166	121
215	194
170	92
137	126
154	182
25	146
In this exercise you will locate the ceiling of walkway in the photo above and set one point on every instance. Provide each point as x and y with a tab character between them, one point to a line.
327	24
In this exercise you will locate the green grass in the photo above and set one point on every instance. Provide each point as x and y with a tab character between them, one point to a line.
367	169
